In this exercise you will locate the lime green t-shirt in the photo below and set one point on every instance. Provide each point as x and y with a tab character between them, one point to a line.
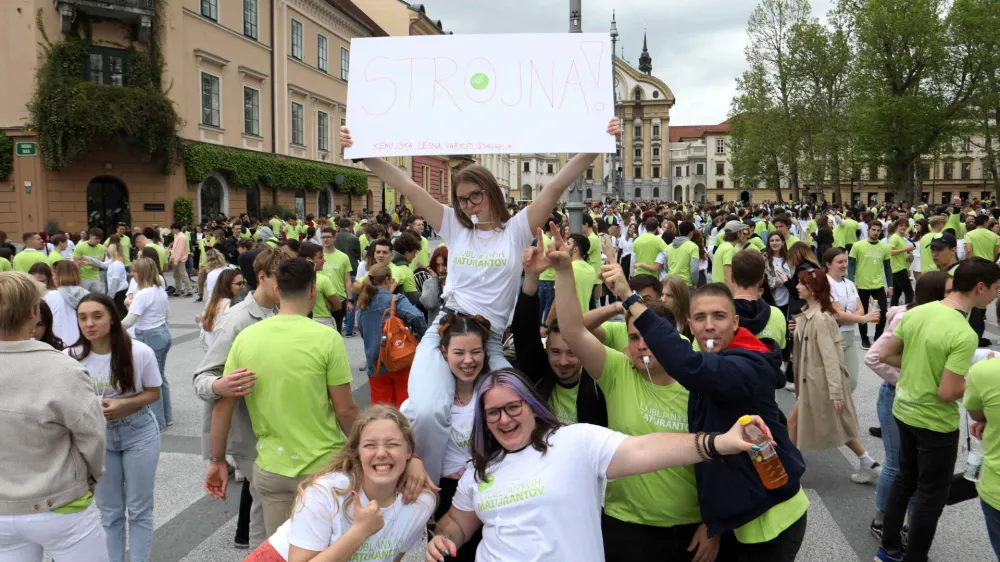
423	258
53	258
76	506
646	248
27	258
290	410
615	335
838	237
762	228
935	337
869	272
5	265
756	243
679	263
851	227
126	244
291	232
275	226
245	234
719	237
563	403
324	289
982	392
926	258
336	265
723	257
404	278
774	521
160	251
791	240
550	273
363	242
594	258
636	407
983	241
811	229
898	261
956	221
583	279
89	272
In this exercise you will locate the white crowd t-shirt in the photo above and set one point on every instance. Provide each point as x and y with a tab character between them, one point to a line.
318	520
845	294
64	323
537	507
459	448
145	370
151	306
210	280
484	267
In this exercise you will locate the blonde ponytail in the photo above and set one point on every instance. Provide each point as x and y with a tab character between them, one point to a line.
378	276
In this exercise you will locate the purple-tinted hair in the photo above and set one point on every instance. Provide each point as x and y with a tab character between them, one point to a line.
486	449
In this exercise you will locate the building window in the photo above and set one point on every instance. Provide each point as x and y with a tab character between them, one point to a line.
638	192
720	184
637	131
590	173
321	52
700	169
590	194
949	170
297	39
527	167
687	171
210	9
250	18
298	124
925	171
656	131
720	146
637	94
966	144
210	100
425	178
720	169
345	63
656	171
966	170
251	111
677	171
736	184
107	66
322	131
656	192
638	153
873	172
637	173
656	153
549	168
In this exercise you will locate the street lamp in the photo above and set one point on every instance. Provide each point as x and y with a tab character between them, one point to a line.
614	96
575	206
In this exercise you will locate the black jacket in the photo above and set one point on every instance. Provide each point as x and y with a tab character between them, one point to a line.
591	407
724	386
401	261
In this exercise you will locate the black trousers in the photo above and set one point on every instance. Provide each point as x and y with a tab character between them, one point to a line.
243	521
879	296
901	286
468	551
338	317
926	464
977	320
782	548
628	542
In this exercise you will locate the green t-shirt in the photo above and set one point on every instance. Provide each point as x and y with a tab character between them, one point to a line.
423	256
935	337
756	243
762	228
679	262
956	221
851	227
563	403
126	244
926	258
719	236
160	251
275	226
550	273
290	410
404	278
53	258
615	335
898	261
636	407
324	289
76	506
869	271
982	392
983	241
245	234
27	258
583	279
646	248
5	265
363	241
723	257
291	232
811	229
594	257
838	237
791	241
774	521
336	265
89	272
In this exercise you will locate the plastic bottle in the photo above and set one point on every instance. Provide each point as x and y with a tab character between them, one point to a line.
876	310
765	460
974	463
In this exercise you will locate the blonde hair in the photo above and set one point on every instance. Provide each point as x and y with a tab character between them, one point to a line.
377	277
66	273
115	250
22	294
214	259
146	273
347	461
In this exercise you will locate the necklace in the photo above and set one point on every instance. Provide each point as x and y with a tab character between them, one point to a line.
958	306
745	296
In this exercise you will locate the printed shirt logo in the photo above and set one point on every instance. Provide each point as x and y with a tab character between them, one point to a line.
487	484
376	548
516	492
482	259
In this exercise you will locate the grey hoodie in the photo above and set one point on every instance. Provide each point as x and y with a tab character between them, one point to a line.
73	294
695	261
266	233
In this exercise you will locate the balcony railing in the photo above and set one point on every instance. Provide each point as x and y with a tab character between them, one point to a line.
140	12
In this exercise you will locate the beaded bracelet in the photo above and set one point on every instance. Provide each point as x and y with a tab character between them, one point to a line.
697	446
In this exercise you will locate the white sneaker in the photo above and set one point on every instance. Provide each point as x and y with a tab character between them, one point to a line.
790	386
239	476
362	369
867	475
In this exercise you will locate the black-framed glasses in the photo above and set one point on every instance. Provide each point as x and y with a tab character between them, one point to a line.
513	410
474	198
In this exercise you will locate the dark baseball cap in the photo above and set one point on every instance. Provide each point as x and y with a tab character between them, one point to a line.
944	241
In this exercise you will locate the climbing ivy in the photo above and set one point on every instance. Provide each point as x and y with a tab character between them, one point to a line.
6	155
244	168
184	211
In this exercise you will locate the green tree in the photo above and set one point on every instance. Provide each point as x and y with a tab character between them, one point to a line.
983	119
756	130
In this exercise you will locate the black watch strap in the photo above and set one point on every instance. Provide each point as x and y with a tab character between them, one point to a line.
627	304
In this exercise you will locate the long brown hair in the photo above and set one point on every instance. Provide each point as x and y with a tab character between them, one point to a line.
378	276
782	253
800	253
819	286
122	376
440	252
482	177
680	296
223	290
66	273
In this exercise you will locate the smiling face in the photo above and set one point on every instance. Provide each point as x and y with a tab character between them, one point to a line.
465	355
838	267
384	452
775	243
565	364
94	320
512	432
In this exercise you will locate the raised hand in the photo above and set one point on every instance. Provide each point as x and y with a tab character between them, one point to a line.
557	252
533	258
615	127
614	277
345	137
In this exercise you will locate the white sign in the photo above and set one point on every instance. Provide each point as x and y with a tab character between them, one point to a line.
480	94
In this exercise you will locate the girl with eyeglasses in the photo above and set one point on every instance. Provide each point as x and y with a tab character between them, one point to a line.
229	284
534	484
484	272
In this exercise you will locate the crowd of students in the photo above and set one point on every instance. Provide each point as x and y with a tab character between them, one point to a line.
584	451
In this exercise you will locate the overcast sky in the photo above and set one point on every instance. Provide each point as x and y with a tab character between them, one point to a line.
697	45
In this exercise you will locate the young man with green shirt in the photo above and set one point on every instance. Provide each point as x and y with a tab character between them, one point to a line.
944	252
547	279
153	240
782	223
734	239
301	403
578	246
59	244
933	347
327	299
685	256
982	402
337	267
31	254
593	255
404	251
868	266
125	241
851	231
90	275
415	224
899	249
981	242
936	224
646	247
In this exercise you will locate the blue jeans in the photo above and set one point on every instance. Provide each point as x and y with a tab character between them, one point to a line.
158	339
546	296
992	525
133	449
890	442
431	390
349	320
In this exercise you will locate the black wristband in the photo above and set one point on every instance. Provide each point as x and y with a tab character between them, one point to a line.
712	451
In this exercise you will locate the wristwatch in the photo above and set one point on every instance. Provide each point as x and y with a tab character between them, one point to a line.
217	459
627	304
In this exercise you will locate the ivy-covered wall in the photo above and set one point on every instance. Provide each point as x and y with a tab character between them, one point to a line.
6	156
246	168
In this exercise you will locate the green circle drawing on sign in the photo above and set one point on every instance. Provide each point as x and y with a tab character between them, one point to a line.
480	81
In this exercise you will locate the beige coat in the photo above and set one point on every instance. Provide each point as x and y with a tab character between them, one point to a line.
821	377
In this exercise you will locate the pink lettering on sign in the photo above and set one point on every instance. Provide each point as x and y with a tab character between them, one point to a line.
520	88
531	83
438	81
579	83
377	79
